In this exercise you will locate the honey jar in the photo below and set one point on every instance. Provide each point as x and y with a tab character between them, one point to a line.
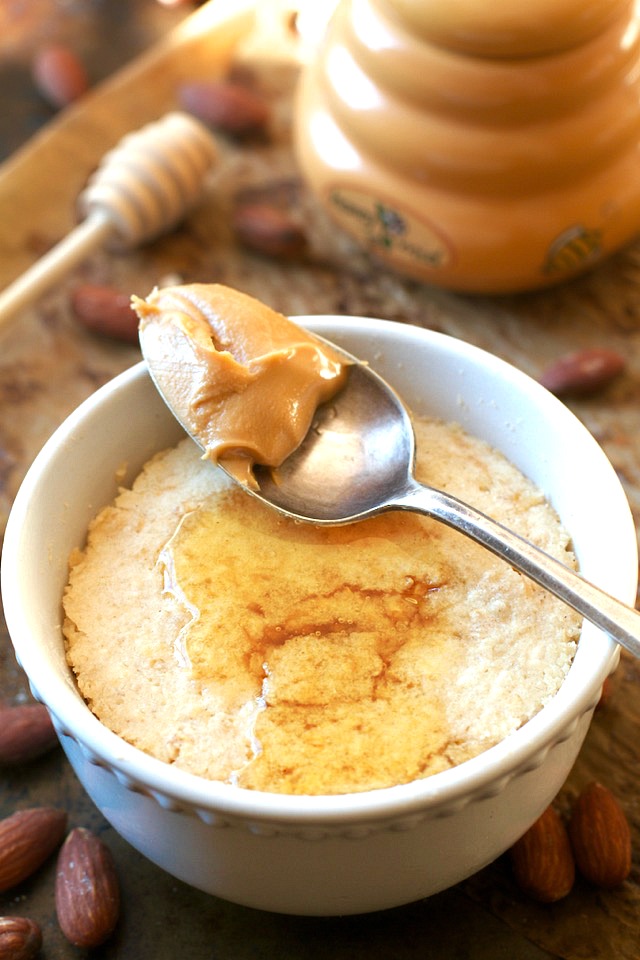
482	147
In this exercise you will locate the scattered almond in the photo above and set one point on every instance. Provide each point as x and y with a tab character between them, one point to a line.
20	938
26	732
542	860
59	74
230	106
282	192
87	891
27	839
268	229
583	371
106	311
600	837
605	694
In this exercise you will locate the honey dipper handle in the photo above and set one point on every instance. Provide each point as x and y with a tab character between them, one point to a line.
142	188
53	266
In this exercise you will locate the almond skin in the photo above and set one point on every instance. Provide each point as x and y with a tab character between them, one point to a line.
20	938
600	837
231	107
27	839
267	229
106	311
605	694
583	371
26	732
87	891
59	74
542	860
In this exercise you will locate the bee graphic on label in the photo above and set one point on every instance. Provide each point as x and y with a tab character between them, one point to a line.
573	249
391	222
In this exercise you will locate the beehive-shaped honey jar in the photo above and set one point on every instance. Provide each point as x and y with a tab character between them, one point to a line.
480	146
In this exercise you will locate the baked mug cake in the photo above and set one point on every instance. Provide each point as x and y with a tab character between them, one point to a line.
217	635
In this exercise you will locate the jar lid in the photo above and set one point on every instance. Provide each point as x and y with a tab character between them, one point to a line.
508	28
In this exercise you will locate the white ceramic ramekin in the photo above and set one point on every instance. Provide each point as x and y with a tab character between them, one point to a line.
337	854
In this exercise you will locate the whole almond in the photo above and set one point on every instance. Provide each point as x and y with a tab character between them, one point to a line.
542	860
583	371
87	891
600	837
605	694
26	732
269	230
27	839
230	106
106	311
20	938
59	74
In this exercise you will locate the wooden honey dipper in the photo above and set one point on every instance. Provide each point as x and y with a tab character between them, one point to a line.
142	188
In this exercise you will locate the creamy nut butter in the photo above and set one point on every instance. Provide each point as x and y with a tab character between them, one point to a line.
215	634
245	380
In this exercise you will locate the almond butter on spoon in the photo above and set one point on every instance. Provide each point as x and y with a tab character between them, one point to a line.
242	378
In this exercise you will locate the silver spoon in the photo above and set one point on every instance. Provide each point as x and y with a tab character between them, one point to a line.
357	460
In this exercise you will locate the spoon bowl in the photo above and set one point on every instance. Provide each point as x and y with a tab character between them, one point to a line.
342	473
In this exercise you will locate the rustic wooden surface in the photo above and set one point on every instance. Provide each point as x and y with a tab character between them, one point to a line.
48	363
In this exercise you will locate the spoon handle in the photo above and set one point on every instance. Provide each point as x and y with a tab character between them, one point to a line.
617	619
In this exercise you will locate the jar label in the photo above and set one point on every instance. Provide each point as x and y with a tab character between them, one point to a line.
386	229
